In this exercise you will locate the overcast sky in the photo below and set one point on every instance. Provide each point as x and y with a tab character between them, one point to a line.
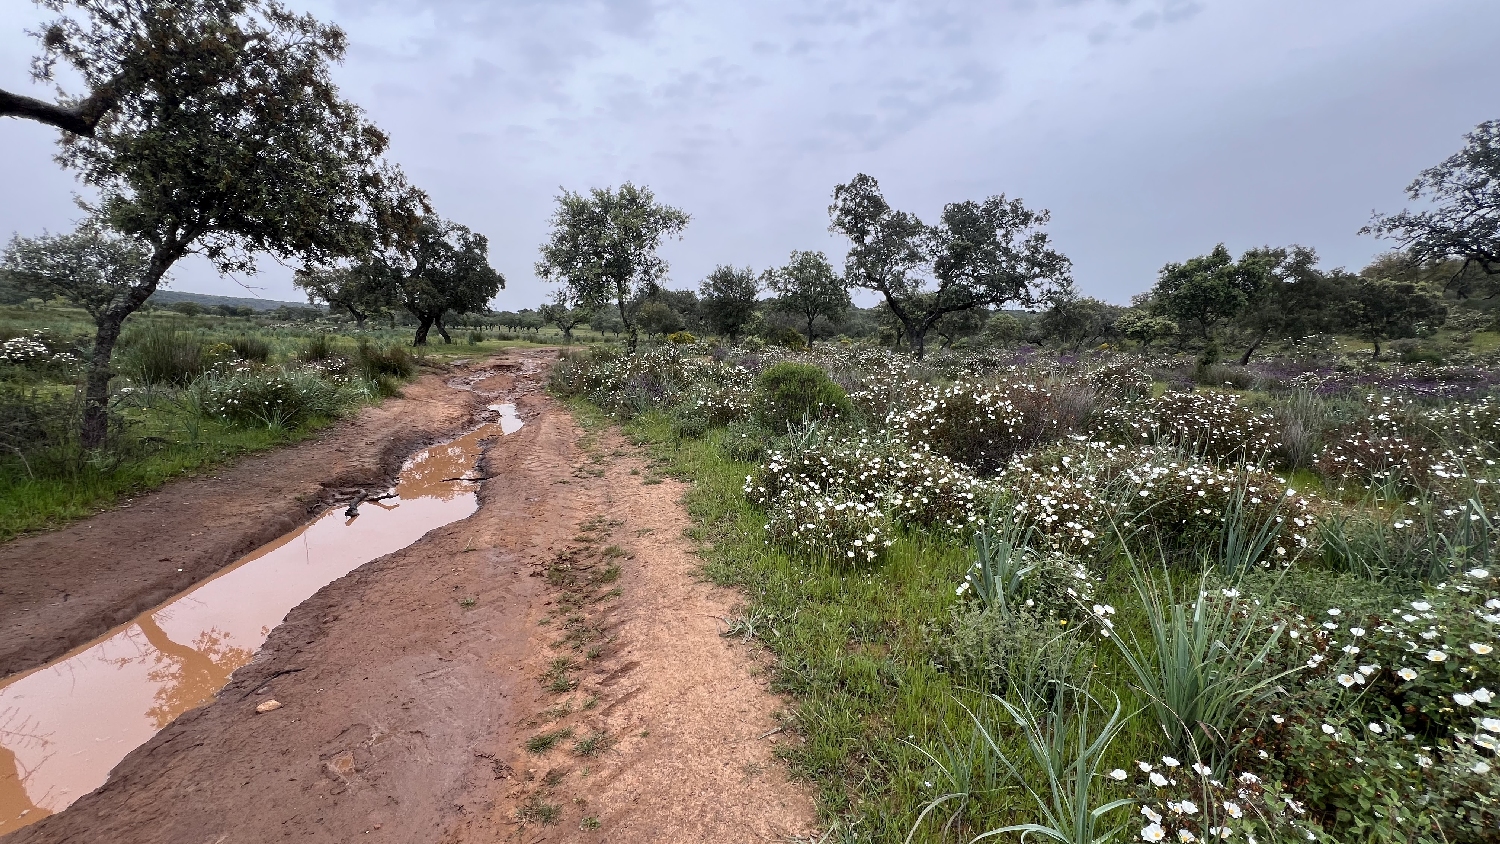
1152	129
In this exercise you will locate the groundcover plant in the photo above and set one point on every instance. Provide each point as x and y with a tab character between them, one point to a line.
1090	598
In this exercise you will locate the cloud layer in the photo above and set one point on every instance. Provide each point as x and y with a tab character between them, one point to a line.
1152	129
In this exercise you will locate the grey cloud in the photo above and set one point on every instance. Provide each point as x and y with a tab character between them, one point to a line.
1151	128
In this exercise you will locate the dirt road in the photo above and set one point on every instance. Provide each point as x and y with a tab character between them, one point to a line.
548	669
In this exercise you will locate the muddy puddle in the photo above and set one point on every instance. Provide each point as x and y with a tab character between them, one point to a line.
65	725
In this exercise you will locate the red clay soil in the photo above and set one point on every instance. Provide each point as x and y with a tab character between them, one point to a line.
567	606
64	588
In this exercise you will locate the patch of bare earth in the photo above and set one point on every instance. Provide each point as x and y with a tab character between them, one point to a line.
419	693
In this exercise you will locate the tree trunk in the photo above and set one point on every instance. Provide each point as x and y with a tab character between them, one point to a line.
1254	344
443	332
917	339
1376	342
810	321
95	428
359	317
424	324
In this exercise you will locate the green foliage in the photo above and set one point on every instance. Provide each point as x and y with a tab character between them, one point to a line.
390	361
603	246
162	354
1208	290
1465	224
658	318
273	398
318	348
1202	665
1068	745
728	299
809	288
1009	653
787	393
1386	309
980	255
746	440
251	348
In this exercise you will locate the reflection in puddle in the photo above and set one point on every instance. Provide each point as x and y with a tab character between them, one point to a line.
65	725
509	421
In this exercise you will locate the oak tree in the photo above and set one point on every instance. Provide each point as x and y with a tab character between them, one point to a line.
224	136
603	246
808	287
980	255
727	299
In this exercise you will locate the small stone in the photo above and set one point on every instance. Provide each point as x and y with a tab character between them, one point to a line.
269	706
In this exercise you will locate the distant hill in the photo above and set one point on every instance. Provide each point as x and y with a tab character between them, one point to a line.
162	298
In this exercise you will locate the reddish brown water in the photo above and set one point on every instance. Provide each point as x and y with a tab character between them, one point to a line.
63	726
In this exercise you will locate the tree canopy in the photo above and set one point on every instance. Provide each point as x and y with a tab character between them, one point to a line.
1207	291
224	136
603	245
727	299
1464	223
980	255
443	269
808	287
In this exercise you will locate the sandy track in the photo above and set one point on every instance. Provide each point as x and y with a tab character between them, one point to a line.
411	686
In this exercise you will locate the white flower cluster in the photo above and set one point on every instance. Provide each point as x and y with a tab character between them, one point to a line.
1214	425
913	487
1078	493
1188	804
32	349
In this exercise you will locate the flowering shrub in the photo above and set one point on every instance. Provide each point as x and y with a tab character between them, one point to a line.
916	488
1215	425
829	526
1476	423
1187	803
1080	492
1375	459
1384	730
275	398
35	350
983	426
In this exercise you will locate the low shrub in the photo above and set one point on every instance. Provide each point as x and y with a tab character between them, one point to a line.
746	440
1008	653
1213	425
251	348
273	398
318	347
392	361
788	393
982	426
163	355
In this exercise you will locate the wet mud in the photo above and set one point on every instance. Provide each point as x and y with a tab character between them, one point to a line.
63	726
407	690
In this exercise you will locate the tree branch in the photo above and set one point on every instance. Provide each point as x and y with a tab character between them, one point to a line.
80	119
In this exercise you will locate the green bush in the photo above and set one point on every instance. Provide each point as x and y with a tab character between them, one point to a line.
1009	652
746	440
251	348
318	347
392	361
274	398
789	392
689	426
162	355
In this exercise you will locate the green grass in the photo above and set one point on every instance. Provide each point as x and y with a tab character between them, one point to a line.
543	742
50	500
854	650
